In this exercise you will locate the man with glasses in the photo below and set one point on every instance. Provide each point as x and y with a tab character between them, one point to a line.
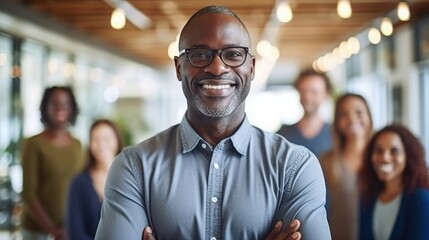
214	176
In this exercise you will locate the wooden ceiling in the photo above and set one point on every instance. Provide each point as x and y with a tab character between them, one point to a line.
314	29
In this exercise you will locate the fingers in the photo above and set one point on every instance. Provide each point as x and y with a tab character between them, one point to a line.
148	234
291	232
294	236
293	226
275	231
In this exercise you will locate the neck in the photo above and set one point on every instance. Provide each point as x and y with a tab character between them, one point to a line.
391	190
214	130
311	116
56	131
355	145
352	154
310	125
310	120
103	165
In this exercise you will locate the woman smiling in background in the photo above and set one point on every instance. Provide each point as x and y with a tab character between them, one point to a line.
86	192
394	187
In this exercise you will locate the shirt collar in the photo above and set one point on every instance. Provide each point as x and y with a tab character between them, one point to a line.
240	139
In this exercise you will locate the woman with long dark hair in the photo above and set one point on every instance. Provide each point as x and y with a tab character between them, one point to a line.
86	191
394	187
352	128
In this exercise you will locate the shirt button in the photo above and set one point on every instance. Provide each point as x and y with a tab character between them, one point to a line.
213	238
204	145
216	166
214	199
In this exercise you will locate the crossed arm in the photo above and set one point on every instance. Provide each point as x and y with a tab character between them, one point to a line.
290	233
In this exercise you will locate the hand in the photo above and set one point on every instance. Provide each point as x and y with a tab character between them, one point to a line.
290	233
148	234
59	234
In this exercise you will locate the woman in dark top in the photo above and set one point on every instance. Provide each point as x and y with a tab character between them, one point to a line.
394	187
86	191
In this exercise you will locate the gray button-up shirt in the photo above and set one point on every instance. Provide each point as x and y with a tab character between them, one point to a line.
184	188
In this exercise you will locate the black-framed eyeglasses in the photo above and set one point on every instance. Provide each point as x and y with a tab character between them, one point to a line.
202	57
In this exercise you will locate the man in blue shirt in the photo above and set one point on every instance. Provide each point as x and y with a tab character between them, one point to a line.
311	131
214	176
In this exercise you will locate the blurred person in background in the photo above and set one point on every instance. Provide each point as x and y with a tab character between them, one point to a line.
311	130
50	160
394	187
86	191
352	128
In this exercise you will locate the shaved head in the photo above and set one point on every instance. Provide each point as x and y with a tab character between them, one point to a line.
211	10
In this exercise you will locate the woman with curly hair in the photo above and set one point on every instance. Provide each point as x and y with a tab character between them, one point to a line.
50	160
394	186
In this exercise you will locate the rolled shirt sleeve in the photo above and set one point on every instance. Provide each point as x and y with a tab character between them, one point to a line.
304	196
123	213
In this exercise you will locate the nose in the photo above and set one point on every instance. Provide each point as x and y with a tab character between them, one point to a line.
217	66
385	156
352	117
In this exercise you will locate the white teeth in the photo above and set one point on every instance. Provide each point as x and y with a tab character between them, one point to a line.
387	168
216	86
355	127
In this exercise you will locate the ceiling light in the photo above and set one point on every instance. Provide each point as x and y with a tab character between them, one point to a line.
403	11
337	57
344	50
353	45
374	35
344	9
117	21
133	15
386	26
111	94
263	47
284	12
173	50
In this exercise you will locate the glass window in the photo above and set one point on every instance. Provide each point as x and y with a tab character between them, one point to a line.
5	89
283	108
424	118
32	86
374	89
57	68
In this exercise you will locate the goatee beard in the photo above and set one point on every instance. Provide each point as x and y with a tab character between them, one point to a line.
218	110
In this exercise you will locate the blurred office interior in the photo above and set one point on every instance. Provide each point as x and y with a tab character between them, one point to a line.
126	73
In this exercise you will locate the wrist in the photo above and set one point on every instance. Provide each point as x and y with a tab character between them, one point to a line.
52	230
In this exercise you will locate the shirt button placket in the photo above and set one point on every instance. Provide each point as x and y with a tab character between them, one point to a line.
216	166
215	193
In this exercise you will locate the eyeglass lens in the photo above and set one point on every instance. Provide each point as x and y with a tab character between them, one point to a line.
202	57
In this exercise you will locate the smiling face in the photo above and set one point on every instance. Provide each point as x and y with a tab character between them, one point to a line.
353	118
59	108
312	91
103	144
215	90
389	157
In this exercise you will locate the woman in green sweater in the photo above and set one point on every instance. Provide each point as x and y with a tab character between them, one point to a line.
50	160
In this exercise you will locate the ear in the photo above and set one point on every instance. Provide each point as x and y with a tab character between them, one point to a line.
177	65
252	68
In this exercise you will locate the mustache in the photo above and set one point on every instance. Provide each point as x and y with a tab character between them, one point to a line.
210	76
